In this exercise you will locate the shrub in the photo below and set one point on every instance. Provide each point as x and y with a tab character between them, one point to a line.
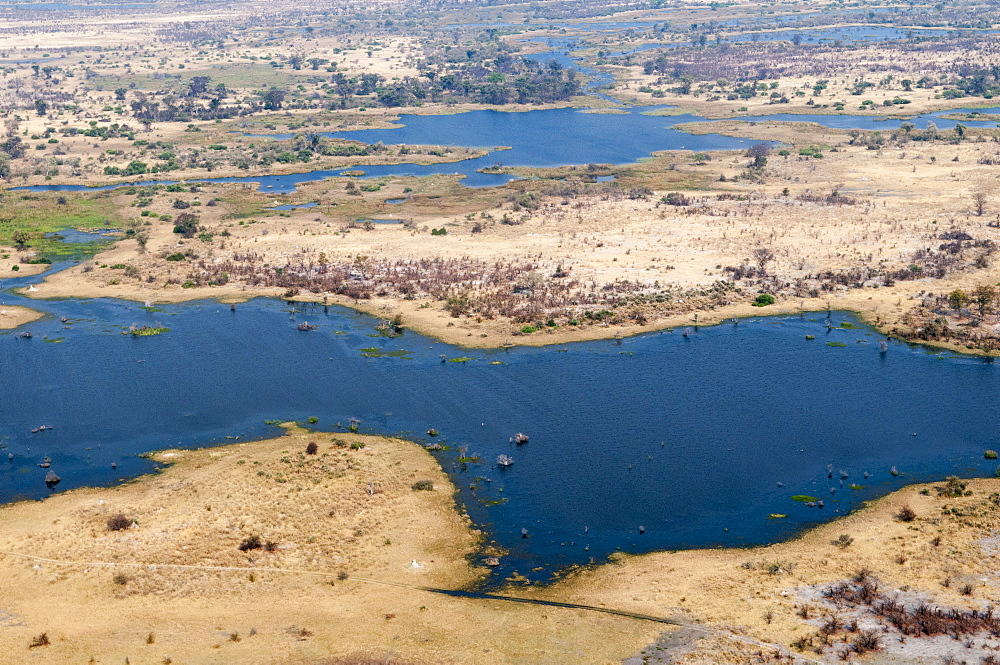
843	541
906	514
763	300
250	543
120	578
40	641
312	420
312	448
423	485
118	522
178	256
953	487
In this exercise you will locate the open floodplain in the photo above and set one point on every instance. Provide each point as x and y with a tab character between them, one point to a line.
499	333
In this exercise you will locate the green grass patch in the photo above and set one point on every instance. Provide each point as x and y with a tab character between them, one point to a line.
460	359
836	344
35	214
804	498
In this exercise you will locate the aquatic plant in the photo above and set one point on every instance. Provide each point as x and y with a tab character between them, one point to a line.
145	331
990	454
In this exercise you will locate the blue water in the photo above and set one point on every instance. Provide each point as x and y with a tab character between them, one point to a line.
686	436
546	138
298	206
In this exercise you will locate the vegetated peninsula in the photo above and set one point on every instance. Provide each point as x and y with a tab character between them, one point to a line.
493	174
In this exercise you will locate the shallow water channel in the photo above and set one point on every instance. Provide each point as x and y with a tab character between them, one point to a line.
702	439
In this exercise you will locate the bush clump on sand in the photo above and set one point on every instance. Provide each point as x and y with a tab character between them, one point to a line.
312	448
763	300
118	522
906	514
423	485
250	543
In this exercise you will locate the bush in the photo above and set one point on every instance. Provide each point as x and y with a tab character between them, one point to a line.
312	448
843	541
120	578
906	514
763	300
40	641
251	543
423	485
118	522
953	487
177	256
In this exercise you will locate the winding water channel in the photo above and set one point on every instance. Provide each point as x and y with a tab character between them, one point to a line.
701	439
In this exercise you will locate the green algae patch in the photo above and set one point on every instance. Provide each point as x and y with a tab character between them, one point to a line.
804	498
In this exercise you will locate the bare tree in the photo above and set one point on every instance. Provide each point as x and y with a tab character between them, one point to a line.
979	203
763	256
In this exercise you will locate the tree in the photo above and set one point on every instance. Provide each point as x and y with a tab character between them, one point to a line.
199	85
759	152
958	299
41	106
979	203
763	256
120	94
20	238
274	99
984	296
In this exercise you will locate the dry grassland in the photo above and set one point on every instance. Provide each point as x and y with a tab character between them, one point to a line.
342	510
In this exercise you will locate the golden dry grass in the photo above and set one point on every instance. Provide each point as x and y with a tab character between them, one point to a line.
340	510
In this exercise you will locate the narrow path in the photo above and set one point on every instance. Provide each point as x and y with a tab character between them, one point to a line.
455	593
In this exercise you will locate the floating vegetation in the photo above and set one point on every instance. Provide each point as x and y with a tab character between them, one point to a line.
145	331
460	359
855	486
496	362
494	502
836	344
377	352
151	308
847	325
804	498
777	516
55	340
810	336
466	459
990	454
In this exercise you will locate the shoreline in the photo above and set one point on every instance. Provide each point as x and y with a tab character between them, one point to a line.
14	316
466	333
668	579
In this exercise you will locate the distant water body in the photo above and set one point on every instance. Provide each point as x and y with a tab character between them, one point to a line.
543	138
